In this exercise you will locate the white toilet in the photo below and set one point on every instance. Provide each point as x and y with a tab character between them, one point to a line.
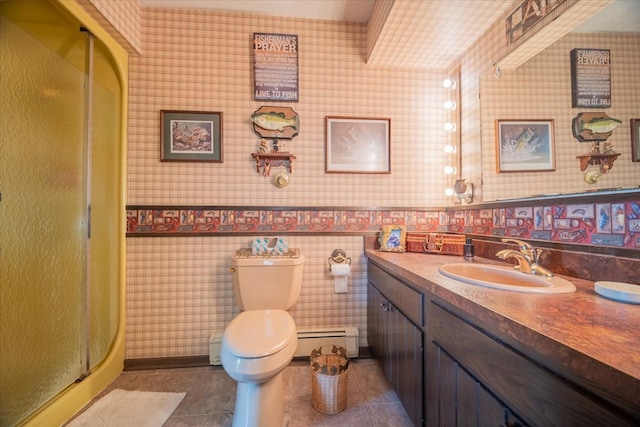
261	341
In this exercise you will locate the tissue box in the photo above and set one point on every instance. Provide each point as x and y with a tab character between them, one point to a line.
269	246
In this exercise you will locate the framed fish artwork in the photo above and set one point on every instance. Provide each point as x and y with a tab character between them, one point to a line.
190	136
525	146
358	145
635	140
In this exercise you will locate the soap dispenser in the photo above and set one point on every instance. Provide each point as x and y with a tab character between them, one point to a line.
468	249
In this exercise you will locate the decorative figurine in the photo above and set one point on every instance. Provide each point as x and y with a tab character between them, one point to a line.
263	148
608	147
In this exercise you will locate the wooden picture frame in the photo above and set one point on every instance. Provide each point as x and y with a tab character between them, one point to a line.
635	140
525	146
358	145
191	136
393	238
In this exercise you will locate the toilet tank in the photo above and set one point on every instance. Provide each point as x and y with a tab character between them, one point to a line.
267	282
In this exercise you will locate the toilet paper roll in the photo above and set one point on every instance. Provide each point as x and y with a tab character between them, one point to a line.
340	273
340	270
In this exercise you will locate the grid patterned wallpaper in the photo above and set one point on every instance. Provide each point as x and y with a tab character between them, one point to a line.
120	18
179	289
392	48
202	61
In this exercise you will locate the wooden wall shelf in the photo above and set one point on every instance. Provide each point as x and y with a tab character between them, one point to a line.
265	161
604	161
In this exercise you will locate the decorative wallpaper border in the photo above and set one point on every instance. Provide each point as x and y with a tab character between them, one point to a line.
597	224
162	220
612	224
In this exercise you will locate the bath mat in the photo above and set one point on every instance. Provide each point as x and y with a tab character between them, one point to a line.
129	408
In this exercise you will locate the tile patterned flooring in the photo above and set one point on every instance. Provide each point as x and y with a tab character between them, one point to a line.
210	397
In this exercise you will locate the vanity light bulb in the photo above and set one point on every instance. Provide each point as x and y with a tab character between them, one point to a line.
449	170
448	192
449	149
449	105
449	127
448	84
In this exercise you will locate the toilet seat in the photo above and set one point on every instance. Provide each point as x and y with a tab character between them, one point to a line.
259	333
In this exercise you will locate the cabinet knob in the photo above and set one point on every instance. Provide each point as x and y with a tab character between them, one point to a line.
385	306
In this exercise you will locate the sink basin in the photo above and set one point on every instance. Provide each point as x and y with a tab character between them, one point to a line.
499	277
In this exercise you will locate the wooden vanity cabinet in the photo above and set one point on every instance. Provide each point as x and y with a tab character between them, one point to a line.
395	339
450	369
475	379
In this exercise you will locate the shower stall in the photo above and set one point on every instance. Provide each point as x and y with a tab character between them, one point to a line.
61	211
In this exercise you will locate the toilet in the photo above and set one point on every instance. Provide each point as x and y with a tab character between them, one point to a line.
261	341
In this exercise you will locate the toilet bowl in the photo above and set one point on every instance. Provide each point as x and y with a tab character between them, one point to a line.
261	341
256	346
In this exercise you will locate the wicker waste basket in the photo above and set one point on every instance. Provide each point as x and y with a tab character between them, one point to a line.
329	379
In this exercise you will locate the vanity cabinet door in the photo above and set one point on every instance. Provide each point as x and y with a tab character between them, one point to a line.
531	394
398	344
459	399
405	362
376	328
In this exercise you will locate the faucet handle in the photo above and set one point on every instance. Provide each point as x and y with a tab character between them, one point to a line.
536	255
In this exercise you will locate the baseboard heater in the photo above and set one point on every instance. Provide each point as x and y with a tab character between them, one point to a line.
308	339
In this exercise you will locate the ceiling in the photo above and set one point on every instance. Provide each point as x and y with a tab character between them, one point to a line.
332	10
447	27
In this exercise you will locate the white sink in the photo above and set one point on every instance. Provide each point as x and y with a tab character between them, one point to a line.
499	277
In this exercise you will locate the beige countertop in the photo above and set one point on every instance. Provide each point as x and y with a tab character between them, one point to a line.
582	333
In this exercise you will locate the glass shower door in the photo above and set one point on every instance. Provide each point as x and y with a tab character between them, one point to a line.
43	222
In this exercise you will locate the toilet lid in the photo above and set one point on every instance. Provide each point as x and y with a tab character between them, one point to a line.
259	333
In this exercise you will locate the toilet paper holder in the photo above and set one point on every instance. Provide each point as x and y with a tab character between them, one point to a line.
338	256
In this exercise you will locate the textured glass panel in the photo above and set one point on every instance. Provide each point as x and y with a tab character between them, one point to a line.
42	225
104	264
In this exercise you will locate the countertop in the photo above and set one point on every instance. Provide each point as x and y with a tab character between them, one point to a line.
581	332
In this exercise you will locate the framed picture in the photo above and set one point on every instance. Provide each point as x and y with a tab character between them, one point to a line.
191	136
525	145
358	145
635	140
392	238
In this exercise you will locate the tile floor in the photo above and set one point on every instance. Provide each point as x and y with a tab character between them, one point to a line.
210	396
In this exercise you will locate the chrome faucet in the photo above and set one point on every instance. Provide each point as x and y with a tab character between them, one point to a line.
527	257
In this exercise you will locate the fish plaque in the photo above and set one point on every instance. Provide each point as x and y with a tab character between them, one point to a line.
593	127
275	122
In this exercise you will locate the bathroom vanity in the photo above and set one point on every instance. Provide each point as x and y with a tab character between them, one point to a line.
460	354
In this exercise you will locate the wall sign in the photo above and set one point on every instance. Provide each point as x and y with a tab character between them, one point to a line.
526	15
591	78
275	67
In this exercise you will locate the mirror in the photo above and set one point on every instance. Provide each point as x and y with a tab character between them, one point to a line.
540	89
